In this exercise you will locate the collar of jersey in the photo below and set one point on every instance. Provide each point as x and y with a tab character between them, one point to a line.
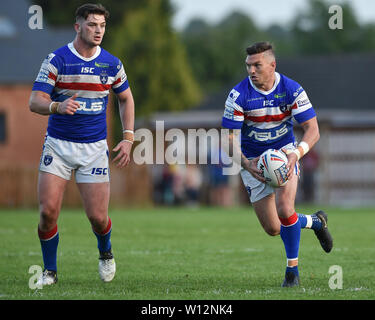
75	52
277	80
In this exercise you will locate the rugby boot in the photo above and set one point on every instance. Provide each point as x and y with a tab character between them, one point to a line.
323	233
291	280
47	278
107	266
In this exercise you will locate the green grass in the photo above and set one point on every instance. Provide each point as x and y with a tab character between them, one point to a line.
179	253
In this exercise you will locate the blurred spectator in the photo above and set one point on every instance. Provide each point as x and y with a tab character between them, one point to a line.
220	191
178	172
166	186
193	182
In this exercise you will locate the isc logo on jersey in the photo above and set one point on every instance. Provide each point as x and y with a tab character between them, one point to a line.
99	171
87	70
268	103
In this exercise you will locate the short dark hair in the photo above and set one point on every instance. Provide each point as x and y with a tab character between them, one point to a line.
91	8
260	47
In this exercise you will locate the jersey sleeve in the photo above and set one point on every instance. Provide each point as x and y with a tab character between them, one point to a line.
47	76
302	109
233	113
121	80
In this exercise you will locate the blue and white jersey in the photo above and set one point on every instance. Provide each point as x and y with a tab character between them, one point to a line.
266	118
64	73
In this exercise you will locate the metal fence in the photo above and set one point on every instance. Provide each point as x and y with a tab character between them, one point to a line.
346	175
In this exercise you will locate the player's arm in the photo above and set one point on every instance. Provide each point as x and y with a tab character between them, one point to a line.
126	110
310	137
233	119
311	133
40	99
249	165
40	102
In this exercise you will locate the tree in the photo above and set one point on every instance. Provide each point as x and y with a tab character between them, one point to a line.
217	52
155	60
61	13
312	34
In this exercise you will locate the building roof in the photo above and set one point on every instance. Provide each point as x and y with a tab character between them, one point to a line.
23	49
338	82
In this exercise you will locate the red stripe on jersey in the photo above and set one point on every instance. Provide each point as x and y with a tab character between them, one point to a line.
289	221
237	113
52	76
83	86
117	81
268	118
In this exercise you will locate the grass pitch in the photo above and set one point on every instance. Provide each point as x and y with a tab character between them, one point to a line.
181	253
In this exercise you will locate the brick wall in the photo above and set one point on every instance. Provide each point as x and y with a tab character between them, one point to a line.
20	154
24	130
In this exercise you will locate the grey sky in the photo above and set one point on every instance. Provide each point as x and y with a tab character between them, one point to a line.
264	12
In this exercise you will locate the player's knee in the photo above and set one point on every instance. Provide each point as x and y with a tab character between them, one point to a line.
284	209
272	230
48	215
99	223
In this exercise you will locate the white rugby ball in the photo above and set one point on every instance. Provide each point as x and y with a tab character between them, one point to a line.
273	163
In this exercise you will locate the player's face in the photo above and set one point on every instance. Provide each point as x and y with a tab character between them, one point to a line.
261	69
91	30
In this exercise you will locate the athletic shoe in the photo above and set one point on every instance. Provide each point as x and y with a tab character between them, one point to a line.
107	266
291	280
47	278
323	234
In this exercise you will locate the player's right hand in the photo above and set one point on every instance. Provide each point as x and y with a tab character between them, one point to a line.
69	106
254	171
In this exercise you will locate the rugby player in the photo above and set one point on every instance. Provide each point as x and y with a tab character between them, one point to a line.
72	88
263	106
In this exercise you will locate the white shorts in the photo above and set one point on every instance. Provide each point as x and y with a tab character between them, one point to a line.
258	190
89	161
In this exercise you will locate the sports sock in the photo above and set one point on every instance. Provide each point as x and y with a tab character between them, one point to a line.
49	241
290	233
104	238
309	221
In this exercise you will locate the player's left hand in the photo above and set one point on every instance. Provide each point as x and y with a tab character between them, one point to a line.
292	160
123	156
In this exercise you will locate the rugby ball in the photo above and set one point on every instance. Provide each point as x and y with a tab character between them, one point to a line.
273	163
